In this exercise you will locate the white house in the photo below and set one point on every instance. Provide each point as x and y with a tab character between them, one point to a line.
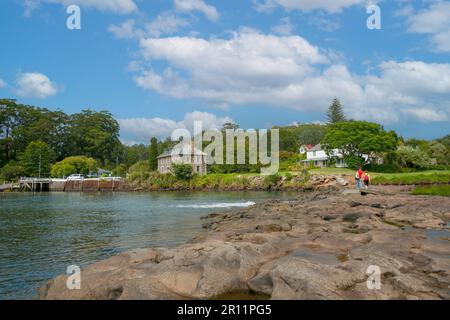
320	158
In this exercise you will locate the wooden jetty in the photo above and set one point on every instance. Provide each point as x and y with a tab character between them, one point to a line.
63	185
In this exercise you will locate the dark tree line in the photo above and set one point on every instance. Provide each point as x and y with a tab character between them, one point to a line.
88	133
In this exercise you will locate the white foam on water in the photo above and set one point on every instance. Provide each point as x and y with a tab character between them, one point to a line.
217	205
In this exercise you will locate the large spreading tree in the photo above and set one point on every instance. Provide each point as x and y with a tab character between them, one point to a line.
358	138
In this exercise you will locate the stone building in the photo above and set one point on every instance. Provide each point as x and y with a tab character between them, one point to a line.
195	157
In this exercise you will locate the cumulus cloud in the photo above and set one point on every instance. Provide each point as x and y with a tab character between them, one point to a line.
434	21
2	83
331	6
115	6
164	24
143	129
198	5
35	85
288	71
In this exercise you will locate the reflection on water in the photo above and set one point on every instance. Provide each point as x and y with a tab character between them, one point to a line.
42	234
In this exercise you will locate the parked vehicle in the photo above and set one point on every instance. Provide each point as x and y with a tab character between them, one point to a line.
75	177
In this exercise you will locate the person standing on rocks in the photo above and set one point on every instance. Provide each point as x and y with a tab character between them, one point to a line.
366	180
359	178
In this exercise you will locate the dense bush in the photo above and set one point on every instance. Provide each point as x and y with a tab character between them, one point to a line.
384	168
182	171
120	170
74	165
139	172
11	171
410	157
272	180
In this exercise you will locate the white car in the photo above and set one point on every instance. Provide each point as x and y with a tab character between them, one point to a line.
75	177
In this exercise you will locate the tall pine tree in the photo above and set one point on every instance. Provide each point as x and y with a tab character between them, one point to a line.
154	154
336	112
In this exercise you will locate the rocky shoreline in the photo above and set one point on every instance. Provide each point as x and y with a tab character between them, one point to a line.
318	246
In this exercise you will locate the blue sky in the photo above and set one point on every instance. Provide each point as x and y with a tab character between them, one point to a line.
160	64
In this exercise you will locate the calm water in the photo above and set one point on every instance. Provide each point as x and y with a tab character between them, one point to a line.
42	234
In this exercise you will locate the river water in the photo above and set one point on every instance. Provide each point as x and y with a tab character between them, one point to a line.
42	234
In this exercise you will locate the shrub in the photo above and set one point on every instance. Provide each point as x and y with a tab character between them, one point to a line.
411	157
139	172
11	171
120	170
272	179
74	165
289	176
182	171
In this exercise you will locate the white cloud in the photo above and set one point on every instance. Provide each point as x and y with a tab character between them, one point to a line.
164	24
115	6
331	6
287	71
285	27
198	5
35	85
427	115
143	129
2	83
434	21
126	30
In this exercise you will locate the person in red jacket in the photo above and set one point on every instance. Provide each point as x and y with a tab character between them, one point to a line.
359	178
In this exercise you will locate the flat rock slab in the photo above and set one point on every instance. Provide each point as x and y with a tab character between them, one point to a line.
319	246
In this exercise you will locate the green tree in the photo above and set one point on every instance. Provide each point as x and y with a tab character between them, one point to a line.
11	171
439	152
37	159
312	135
445	141
335	112
413	157
154	154
359	138
74	165
93	134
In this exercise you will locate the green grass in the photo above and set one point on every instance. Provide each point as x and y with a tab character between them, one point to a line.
325	171
433	191
424	177
421	177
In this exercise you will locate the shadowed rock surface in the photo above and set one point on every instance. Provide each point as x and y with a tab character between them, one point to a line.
318	246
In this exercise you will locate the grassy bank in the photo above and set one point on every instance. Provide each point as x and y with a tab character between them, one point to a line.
226	182
421	177
426	177
433	191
